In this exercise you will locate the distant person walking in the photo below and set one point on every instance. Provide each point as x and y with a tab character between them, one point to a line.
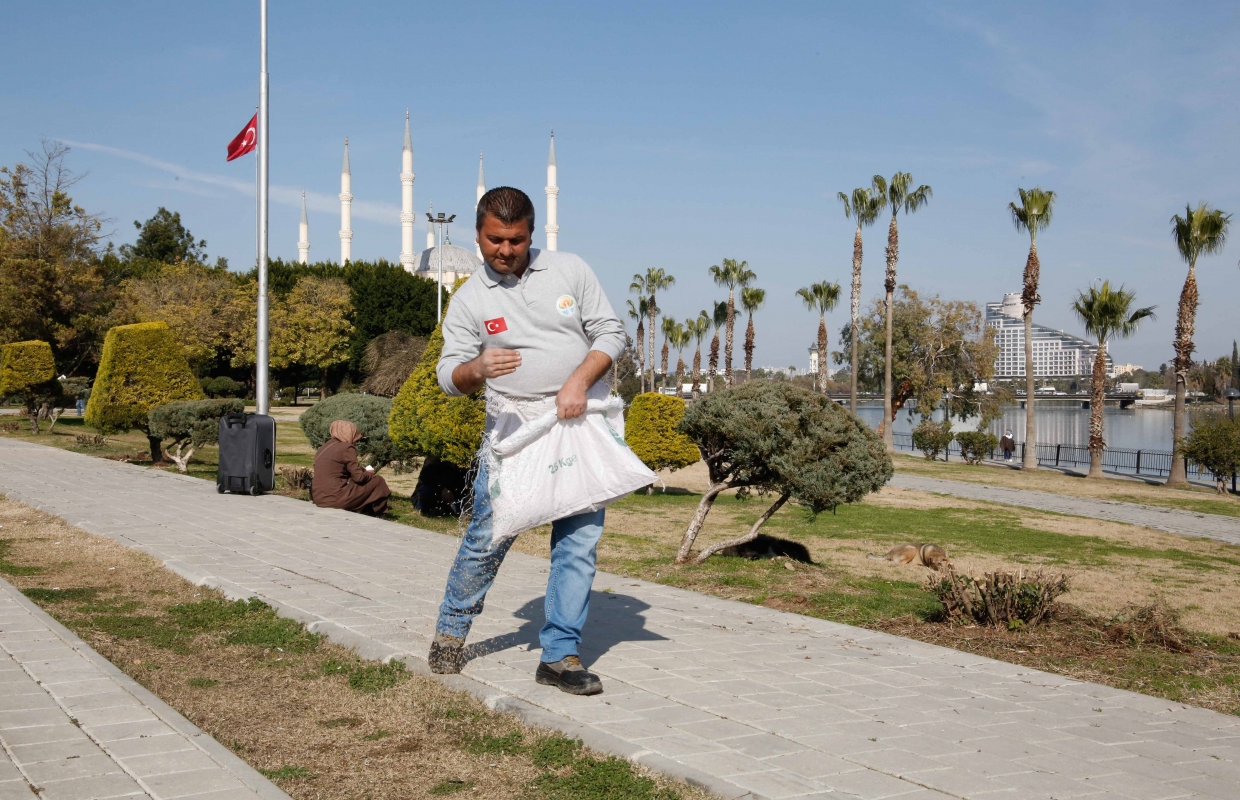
339	480
534	328
1008	445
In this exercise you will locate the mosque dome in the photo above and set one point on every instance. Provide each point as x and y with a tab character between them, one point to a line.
456	260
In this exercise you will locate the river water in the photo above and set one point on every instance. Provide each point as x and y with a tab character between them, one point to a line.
1060	422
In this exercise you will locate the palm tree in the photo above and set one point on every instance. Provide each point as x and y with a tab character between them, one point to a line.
1201	231
680	340
1106	313
698	328
650	284
719	319
899	197
638	312
669	333
732	274
1032	215
863	206
821	297
752	299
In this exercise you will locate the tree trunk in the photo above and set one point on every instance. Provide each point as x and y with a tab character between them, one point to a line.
893	258
157	453
664	362
1096	442
749	537
1186	320
855	302
653	310
33	412
680	372
699	519
323	385
822	353
697	369
181	456
641	351
714	362
1031	298
727	350
749	350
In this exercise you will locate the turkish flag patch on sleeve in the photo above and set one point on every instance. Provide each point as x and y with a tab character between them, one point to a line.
496	325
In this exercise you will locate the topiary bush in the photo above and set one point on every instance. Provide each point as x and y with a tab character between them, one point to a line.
779	438
650	430
975	446
29	369
368	412
222	386
142	367
932	438
429	423
190	423
1214	444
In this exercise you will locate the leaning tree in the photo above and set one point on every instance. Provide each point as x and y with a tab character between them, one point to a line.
768	437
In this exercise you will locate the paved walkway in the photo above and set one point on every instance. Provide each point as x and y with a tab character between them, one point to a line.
74	726
1171	520
746	700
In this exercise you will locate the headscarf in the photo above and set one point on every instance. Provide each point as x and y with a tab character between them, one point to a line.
345	431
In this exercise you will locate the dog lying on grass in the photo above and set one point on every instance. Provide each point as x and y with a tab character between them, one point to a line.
921	555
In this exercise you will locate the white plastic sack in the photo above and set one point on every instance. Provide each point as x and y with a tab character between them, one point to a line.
550	468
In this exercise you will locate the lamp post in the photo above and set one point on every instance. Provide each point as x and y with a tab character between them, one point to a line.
440	224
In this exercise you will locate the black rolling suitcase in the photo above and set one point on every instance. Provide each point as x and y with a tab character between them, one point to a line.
247	454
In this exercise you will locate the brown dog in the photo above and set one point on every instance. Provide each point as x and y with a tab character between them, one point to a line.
921	555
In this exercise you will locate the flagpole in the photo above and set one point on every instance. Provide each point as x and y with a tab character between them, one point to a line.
260	383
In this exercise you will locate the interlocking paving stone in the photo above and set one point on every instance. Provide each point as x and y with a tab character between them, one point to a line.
768	704
79	739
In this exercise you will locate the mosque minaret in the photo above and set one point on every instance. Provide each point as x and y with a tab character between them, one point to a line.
346	209
406	200
462	261
482	189
553	191
303	230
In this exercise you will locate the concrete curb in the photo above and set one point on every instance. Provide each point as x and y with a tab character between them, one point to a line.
219	753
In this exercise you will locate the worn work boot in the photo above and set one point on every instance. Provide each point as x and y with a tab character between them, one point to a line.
447	654
569	676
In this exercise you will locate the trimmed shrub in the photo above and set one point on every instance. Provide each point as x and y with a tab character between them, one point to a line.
29	369
190	423
142	367
222	386
427	422
932	438
651	432
370	415
1214	444
782	439
1004	599
975	446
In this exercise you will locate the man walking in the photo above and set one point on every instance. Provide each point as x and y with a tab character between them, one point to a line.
531	325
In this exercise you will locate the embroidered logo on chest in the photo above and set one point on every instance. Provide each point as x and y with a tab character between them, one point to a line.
496	325
566	305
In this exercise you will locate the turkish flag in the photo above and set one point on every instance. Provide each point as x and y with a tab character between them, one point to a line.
496	325
245	141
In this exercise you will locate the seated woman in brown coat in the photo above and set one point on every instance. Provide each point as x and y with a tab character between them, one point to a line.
340	481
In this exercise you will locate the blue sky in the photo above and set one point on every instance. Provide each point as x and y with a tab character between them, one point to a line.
686	133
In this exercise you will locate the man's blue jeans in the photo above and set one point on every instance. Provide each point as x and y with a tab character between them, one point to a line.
573	542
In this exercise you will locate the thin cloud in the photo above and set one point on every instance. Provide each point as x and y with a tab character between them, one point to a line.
383	213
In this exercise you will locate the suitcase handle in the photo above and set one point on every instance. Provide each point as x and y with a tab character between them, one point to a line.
235	419
266	459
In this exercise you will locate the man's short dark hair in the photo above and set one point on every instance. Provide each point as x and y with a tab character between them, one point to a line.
507	205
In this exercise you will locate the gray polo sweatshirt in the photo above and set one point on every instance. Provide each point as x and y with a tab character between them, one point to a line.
553	314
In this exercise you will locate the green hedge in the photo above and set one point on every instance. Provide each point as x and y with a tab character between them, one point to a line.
24	366
427	422
650	430
368	412
142	367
